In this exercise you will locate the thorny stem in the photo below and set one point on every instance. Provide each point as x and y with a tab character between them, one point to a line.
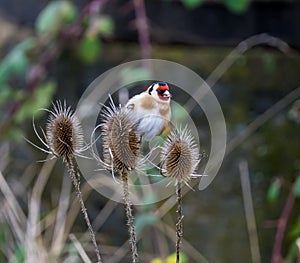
74	173
130	224
276	254
179	225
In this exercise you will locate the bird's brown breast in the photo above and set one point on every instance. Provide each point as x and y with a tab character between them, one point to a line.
147	102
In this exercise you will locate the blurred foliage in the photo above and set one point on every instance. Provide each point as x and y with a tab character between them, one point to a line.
54	16
277	160
24	83
38	100
274	191
297	187
192	3
235	6
171	259
145	219
15	62
294	113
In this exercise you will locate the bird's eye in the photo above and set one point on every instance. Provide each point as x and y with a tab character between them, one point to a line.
160	91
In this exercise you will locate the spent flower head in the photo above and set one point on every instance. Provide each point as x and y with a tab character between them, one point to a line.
64	134
121	141
179	156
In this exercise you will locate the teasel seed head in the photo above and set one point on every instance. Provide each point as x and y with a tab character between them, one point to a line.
179	156
121	142
64	134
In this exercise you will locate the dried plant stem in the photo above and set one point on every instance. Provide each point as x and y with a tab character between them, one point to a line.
74	173
142	28
281	228
130	224
179	225
249	211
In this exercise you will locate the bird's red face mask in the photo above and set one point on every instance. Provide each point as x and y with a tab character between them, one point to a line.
163	91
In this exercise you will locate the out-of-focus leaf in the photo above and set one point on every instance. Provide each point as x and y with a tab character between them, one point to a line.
3	241
157	260
273	191
54	15
144	220
172	258
4	93
14	133
89	49
192	3
237	6
16	61
19	254
297	187
40	99
106	25
103	25
293	253
295	229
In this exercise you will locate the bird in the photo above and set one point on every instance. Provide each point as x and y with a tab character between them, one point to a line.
152	110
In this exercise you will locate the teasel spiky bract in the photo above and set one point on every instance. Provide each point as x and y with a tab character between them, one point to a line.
64	133
121	141
179	156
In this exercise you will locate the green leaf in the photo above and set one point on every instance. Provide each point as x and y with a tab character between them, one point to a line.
41	98
172	258
157	260
106	25
295	229
89	49
54	15
274	191
293	253
192	3
19	254
14	133
16	61
5	93
297	187
144	220
237	6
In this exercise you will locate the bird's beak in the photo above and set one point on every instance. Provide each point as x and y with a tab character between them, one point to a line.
167	94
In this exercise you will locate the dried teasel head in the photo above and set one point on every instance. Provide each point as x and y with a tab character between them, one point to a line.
179	156
121	142
64	134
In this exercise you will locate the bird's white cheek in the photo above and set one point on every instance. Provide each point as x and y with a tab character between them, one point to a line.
167	94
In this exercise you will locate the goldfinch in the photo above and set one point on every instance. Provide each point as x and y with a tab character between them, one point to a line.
152	110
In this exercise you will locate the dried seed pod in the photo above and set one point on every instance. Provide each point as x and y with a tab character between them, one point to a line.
180	156
121	142
64	134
